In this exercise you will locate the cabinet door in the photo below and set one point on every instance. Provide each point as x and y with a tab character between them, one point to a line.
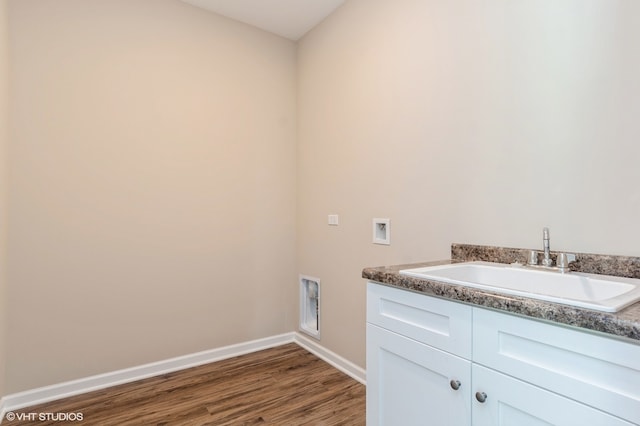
511	402
409	383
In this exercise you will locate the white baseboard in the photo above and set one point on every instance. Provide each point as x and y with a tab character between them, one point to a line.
332	358
41	395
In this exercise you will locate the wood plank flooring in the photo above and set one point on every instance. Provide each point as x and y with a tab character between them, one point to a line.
285	385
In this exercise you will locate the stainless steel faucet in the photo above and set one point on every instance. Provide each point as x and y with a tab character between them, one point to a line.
563	259
546	260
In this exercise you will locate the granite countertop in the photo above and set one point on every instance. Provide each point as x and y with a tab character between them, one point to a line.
624	323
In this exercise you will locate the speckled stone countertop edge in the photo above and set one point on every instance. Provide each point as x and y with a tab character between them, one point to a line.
625	323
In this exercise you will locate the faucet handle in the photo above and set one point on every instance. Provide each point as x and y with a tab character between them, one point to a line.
562	262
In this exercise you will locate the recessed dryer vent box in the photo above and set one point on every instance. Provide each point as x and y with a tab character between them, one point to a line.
382	231
310	306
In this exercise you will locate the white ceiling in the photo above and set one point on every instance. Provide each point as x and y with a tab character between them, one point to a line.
287	18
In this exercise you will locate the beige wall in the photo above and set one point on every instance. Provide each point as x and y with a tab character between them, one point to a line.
153	162
4	136
465	121
152	198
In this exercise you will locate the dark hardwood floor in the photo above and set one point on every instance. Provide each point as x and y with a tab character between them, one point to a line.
285	385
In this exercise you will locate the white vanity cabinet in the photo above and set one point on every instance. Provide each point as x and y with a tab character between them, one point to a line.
436	362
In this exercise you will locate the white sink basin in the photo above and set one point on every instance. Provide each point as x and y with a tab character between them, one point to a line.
599	292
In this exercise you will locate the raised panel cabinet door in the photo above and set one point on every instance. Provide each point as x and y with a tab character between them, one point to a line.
500	400
410	383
